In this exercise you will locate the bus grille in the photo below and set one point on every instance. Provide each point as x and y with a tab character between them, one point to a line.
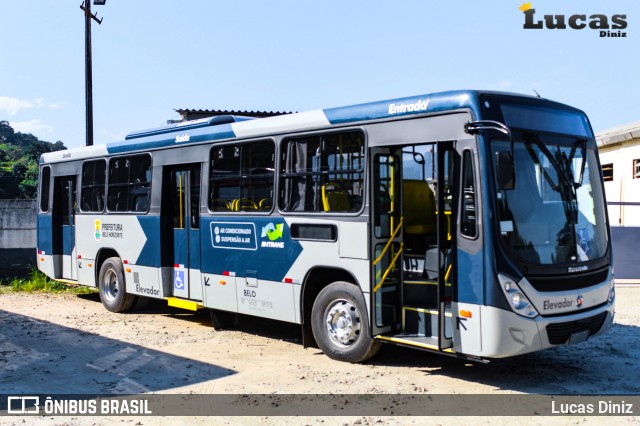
569	282
559	333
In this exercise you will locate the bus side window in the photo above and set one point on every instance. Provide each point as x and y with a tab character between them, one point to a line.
129	184
92	190
323	173
242	177
45	182
468	220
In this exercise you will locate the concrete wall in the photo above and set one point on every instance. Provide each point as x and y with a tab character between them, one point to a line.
17	237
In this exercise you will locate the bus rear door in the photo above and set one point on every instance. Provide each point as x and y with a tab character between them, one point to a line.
183	195
64	232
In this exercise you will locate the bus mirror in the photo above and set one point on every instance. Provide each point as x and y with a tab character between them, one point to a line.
505	170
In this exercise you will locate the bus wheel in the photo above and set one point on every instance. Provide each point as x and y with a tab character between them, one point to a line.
340	323
223	320
111	283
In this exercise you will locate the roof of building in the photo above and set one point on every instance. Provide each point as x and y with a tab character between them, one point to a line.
619	134
187	114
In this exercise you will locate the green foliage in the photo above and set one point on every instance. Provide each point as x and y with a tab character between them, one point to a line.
19	158
39	282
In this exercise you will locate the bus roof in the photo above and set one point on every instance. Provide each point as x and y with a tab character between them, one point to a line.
234	127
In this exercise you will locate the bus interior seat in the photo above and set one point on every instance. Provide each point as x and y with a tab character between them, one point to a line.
334	198
265	204
243	204
419	212
142	203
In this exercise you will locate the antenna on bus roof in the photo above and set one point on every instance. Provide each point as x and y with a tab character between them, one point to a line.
536	92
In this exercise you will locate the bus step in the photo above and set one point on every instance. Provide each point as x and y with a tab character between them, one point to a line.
420	293
65	281
420	321
184	304
408	339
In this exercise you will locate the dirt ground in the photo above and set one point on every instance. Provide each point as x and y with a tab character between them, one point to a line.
51	344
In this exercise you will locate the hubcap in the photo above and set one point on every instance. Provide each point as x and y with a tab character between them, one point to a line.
111	285
343	323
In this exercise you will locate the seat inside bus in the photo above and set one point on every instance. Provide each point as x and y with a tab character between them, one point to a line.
335	198
419	212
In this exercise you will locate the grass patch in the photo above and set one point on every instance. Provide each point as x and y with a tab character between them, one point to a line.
39	282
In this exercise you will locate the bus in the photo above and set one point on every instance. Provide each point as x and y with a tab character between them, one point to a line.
469	223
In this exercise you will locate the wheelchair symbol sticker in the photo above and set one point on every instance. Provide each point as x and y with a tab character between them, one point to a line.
178	280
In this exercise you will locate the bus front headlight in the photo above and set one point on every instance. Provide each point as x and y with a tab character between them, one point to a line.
519	301
612	290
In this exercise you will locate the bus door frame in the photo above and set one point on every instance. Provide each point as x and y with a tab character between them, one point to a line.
378	265
186	251
64	226
447	236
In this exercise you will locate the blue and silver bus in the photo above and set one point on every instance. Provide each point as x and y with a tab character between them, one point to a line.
469	223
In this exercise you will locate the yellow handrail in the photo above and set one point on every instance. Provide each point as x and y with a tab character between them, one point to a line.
386	247
386	273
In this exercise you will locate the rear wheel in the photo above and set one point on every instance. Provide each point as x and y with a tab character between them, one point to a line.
112	287
340	323
223	320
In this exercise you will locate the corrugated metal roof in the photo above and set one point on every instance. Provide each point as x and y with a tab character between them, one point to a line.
619	134
188	114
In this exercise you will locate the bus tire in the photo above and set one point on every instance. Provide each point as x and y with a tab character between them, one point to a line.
340	323
140	303
223	320
112	286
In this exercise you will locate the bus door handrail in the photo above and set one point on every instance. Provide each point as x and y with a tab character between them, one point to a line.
391	238
384	251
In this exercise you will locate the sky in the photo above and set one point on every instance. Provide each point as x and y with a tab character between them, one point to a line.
152	57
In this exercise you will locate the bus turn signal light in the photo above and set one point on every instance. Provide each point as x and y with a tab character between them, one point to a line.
465	314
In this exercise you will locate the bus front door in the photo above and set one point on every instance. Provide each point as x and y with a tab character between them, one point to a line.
64	232
386	242
184	204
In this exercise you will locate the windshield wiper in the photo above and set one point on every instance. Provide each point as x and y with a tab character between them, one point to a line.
566	185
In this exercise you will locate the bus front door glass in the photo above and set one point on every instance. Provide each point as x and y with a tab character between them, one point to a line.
447	194
64	204
386	241
185	211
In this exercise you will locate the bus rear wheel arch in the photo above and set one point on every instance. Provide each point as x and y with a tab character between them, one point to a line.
340	323
112	286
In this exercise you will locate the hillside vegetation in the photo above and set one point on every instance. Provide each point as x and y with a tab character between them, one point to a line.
19	156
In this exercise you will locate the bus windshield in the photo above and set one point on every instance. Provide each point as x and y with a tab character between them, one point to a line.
555	213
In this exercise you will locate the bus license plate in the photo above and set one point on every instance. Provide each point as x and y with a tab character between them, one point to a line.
579	337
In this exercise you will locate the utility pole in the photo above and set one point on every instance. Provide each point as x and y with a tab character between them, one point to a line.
88	16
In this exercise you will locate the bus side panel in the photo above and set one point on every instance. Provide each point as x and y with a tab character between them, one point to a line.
45	244
220	292
268	299
136	241
244	261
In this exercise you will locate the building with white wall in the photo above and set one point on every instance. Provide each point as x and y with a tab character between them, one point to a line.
620	158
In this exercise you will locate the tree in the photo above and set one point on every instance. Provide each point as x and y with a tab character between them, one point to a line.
19	161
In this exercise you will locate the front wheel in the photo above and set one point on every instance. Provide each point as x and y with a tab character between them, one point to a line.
340	323
111	284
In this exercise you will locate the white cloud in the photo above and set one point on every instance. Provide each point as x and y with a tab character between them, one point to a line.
14	105
31	126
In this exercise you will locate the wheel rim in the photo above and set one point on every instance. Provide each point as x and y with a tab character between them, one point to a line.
111	285
343	323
